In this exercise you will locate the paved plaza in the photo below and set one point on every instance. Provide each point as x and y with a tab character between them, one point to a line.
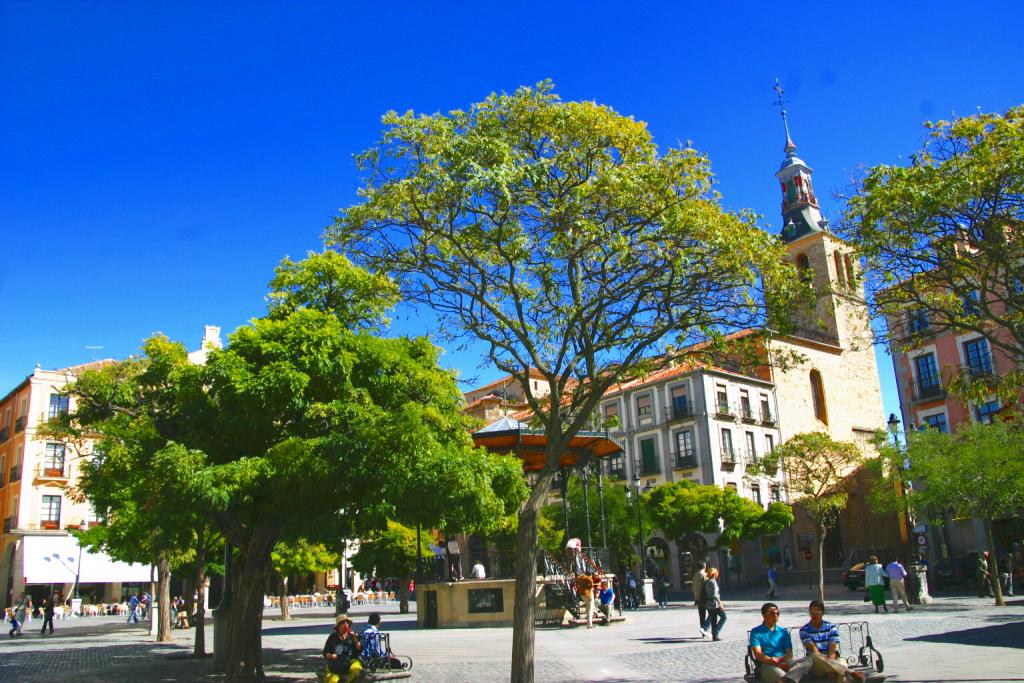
956	639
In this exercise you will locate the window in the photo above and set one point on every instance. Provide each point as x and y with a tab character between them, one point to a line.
58	406
766	409
680	403
751	448
745	410
979	361
937	422
727	452
972	304
649	456
769	443
755	493
840	272
986	411
50	514
53	461
917	322
611	415
722	398
818	396
3	469
684	443
616	466
803	266
776	493
643	405
927	376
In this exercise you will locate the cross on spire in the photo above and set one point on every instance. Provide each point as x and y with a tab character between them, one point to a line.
781	104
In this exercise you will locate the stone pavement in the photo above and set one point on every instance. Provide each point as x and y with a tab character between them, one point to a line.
956	639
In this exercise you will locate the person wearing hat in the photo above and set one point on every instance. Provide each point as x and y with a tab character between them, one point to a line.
342	652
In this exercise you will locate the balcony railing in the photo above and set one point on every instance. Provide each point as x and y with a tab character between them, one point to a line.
10	523
617	473
751	457
52	471
728	456
747	414
979	371
767	418
15	474
650	468
926	392
5	434
19	424
685	459
724	410
678	412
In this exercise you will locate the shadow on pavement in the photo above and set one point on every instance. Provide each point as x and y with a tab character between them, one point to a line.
1002	635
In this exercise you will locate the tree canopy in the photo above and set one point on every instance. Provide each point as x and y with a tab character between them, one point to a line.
558	235
392	552
817	472
942	238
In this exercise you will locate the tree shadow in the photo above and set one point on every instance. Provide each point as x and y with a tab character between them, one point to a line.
998	635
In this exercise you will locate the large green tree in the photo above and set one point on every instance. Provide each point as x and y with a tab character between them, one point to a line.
683	507
299	557
817	471
309	426
976	472
560	237
942	239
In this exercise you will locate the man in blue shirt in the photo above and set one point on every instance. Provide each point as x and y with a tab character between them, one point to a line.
607	597
771	645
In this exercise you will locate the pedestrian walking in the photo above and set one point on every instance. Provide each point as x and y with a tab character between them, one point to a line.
48	610
632	594
713	603
1006	575
663	585
874	579
984	577
897	573
133	609
18	617
699	577
773	575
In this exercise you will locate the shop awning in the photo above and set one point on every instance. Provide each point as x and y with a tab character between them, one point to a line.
54	559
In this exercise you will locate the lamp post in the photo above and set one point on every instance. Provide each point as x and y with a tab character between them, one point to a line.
894	426
600	497
640	525
585	477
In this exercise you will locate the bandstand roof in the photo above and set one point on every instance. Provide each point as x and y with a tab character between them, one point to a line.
508	435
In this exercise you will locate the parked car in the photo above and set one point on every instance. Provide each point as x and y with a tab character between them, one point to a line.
853	577
954	571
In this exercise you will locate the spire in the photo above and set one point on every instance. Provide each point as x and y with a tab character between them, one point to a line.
800	212
790	148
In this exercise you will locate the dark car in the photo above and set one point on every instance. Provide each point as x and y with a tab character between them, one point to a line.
853	578
954	571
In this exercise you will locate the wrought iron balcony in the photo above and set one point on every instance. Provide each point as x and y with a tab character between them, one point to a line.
747	414
728	456
725	411
52	471
685	459
15	474
767	418
19	424
5	434
928	391
650	468
681	411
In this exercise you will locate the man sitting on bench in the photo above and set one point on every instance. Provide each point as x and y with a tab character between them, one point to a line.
821	640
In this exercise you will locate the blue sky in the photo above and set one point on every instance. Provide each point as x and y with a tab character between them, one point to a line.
159	158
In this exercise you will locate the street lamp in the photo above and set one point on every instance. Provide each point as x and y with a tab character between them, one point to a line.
894	426
639	524
585	477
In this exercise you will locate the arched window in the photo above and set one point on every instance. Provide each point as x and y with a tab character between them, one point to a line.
818	396
840	271
803	266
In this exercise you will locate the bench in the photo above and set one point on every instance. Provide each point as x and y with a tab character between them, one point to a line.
854	638
390	667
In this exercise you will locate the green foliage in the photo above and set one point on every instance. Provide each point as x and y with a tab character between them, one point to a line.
558	234
945	228
391	552
684	507
977	472
300	557
816	469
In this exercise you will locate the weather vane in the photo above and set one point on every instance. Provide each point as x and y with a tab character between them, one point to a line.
781	104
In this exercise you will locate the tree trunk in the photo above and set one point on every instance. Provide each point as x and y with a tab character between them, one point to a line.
199	647
244	658
822	531
163	574
526	580
993	566
286	614
403	593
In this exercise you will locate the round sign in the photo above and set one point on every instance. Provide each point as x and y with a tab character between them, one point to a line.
922	540
807	554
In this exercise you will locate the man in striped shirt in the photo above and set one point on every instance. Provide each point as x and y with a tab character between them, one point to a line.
821	640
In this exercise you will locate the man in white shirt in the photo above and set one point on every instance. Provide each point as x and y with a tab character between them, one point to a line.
454	559
478	571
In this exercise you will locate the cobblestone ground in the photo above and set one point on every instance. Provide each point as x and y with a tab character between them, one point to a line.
955	639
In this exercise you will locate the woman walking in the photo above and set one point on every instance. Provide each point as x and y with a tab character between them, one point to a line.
874	579
713	603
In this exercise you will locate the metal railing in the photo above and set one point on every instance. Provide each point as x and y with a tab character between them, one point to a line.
5	434
19	424
747	413
923	392
678	412
15	474
685	459
728	456
767	418
725	410
652	468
